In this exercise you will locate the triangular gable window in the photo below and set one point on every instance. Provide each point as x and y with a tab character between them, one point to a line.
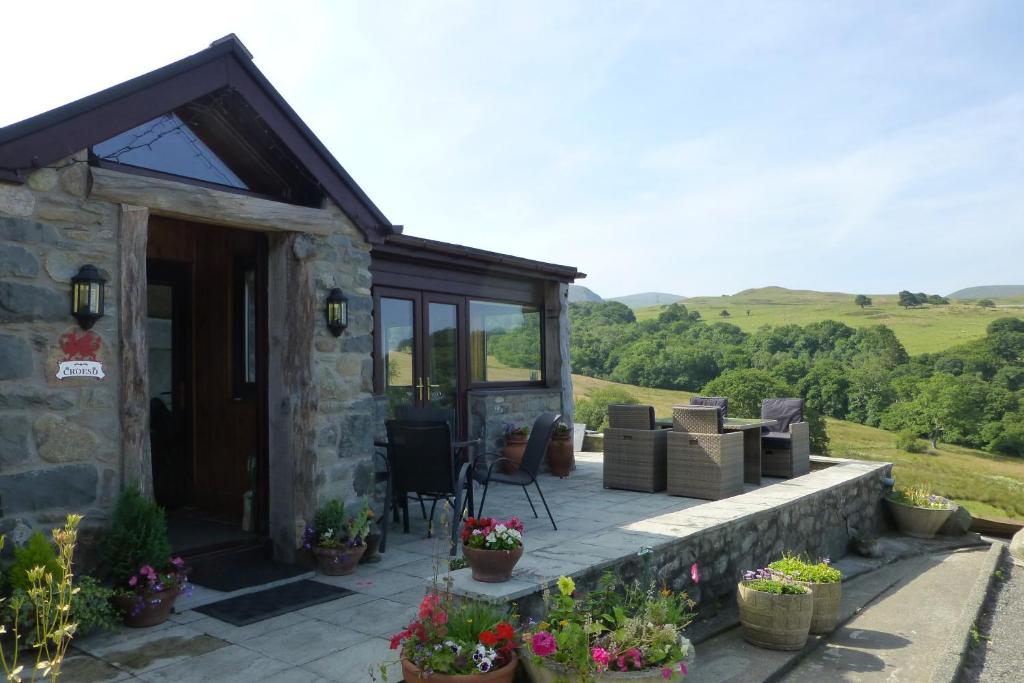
167	145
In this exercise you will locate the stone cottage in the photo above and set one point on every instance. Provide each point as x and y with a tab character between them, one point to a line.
198	300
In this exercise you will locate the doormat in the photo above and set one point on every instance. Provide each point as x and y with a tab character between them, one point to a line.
243	610
234	573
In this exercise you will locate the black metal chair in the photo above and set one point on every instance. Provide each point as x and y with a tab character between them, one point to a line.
422	464
536	448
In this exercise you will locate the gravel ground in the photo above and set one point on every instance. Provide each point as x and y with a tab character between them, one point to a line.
997	656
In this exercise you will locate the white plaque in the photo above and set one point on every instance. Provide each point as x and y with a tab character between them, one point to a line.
80	368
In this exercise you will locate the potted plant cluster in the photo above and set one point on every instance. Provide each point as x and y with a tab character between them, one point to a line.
137	554
515	445
492	547
338	537
615	633
560	454
775	610
918	512
468	642
825	583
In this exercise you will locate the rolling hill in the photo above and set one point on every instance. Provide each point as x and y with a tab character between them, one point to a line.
645	299
989	292
581	293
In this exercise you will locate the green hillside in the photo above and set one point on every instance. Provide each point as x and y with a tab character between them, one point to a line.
990	292
982	482
921	330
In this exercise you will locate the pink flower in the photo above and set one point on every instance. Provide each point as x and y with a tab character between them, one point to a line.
428	605
178	562
543	644
601	657
666	673
683	668
133	581
695	573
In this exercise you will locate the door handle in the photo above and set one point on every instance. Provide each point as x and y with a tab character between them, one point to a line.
420	389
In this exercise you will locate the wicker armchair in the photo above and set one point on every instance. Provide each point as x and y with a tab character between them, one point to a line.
702	461
786	450
634	450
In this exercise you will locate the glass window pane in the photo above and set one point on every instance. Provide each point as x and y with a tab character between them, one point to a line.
505	342
159	299
442	377
249	319
396	327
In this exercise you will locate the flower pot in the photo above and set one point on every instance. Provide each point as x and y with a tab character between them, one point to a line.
372	554
776	622
142	611
492	566
918	522
826	597
338	561
550	672
412	674
514	448
560	455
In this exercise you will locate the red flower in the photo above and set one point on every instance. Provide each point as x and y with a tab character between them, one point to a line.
488	638
505	631
397	639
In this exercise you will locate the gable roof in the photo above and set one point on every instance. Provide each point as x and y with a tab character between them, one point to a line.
56	134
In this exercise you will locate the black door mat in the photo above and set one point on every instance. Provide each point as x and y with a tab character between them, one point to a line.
234	573
243	610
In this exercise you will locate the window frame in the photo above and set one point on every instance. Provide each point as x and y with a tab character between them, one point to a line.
506	384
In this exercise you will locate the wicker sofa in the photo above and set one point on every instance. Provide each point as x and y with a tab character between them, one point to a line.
786	449
703	462
634	450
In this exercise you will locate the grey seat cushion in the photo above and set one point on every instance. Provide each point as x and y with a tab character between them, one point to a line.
776	440
717	401
785	411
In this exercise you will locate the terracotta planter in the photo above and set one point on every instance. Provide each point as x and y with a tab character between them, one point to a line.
776	622
552	673
826	597
412	674
918	522
514	448
372	554
338	561
560	455
492	566
142	612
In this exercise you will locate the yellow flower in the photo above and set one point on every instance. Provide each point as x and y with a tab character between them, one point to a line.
563	623
665	591
543	626
566	585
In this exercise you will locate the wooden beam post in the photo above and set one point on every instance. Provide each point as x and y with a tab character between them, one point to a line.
133	233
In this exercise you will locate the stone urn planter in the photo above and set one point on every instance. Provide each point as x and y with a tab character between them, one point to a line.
491	566
550	672
515	446
412	674
826	597
560	453
143	611
338	561
918	522
773	621
372	554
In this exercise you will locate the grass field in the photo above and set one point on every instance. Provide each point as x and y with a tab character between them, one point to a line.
921	330
981	482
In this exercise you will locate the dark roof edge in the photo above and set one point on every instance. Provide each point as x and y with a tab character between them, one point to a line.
404	244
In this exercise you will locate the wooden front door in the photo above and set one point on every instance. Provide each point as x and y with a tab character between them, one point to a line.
220	385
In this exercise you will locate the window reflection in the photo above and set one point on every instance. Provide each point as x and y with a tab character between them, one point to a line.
505	342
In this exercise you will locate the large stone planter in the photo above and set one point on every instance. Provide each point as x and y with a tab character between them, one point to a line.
492	566
918	522
826	597
776	622
412	674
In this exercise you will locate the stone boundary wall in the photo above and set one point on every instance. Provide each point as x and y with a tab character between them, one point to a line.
491	409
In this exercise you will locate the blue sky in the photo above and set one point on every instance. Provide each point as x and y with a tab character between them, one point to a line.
670	146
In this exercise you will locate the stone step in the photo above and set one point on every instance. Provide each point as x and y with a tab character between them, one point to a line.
896	620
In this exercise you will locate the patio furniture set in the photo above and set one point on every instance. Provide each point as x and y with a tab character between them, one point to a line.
701	452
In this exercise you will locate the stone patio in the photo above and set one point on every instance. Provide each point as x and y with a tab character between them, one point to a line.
597	528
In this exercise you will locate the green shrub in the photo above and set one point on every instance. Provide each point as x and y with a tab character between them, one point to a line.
907	440
91	608
137	537
801	570
775	587
593	410
38	551
330	524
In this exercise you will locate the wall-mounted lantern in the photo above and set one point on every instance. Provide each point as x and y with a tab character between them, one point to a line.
87	296
337	312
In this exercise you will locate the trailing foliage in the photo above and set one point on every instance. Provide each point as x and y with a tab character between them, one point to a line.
91	608
805	570
137	537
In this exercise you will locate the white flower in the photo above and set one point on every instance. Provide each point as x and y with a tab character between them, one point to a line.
491	538
501	528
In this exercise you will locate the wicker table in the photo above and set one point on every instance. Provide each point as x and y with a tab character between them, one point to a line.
751	428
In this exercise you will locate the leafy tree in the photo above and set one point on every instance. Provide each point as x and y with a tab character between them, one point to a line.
593	410
1000	325
870	392
1007	435
936	300
826	389
724	313
921	298
944	406
907	299
745	390
862	300
986	303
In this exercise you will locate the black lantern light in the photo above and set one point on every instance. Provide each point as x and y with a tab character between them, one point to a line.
337	312
87	296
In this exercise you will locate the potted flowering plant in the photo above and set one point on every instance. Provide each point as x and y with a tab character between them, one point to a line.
469	642
825	583
775	610
615	633
515	445
151	593
918	512
492	547
337	538
560	454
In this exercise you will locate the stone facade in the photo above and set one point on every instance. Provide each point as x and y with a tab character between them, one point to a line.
491	409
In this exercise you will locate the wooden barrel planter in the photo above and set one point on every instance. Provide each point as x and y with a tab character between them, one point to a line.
917	521
826	598
773	621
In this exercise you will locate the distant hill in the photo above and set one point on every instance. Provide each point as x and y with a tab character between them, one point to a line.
581	293
988	292
645	299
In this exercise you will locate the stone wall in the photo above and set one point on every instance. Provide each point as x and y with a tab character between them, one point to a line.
59	439
491	409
